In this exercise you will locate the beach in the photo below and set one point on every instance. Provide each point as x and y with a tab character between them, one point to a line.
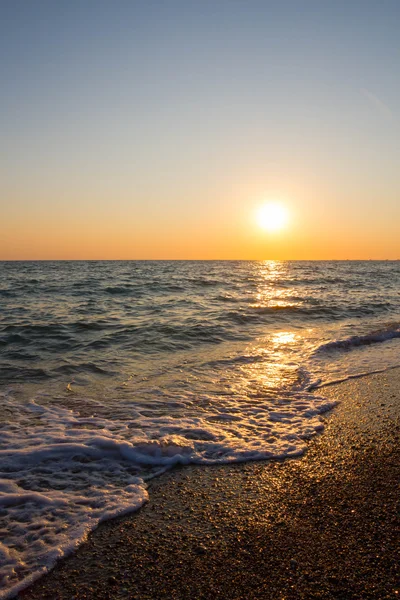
199	300
321	526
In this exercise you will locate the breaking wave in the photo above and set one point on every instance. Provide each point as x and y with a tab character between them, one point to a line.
374	337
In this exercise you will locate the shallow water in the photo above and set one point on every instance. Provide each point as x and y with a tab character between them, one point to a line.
111	372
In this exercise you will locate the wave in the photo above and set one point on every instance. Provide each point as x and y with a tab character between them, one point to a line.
204	282
228	298
308	281
354	341
24	333
21	374
318	384
72	369
314	311
119	290
63	473
139	290
241	359
37	329
7	294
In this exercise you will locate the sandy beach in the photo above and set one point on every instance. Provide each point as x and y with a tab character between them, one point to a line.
322	526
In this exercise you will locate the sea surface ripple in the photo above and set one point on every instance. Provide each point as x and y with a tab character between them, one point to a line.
113	371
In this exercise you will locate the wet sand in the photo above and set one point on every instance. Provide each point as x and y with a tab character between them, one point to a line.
323	526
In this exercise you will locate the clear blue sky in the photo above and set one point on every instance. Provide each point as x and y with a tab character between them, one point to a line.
153	129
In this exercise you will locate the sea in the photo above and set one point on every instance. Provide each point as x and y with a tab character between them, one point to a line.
112	372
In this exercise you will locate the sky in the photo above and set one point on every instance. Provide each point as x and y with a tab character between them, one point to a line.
156	130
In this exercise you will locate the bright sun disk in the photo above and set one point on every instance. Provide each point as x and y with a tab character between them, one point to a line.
272	216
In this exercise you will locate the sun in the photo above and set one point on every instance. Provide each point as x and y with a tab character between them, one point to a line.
272	216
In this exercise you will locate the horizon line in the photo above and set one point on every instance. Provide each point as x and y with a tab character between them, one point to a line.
199	259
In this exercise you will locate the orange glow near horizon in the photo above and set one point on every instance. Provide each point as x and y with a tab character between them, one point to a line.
225	228
239	241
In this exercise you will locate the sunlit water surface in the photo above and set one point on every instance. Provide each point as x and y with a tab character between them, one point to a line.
111	372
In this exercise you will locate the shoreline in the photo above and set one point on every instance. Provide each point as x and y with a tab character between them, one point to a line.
320	526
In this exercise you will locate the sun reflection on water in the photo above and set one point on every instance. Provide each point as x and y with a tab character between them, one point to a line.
283	337
273	287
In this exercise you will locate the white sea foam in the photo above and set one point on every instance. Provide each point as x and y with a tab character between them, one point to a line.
62	473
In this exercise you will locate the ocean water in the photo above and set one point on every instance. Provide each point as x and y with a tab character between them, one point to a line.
113	372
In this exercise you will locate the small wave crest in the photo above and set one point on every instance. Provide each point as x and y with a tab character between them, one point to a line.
354	341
